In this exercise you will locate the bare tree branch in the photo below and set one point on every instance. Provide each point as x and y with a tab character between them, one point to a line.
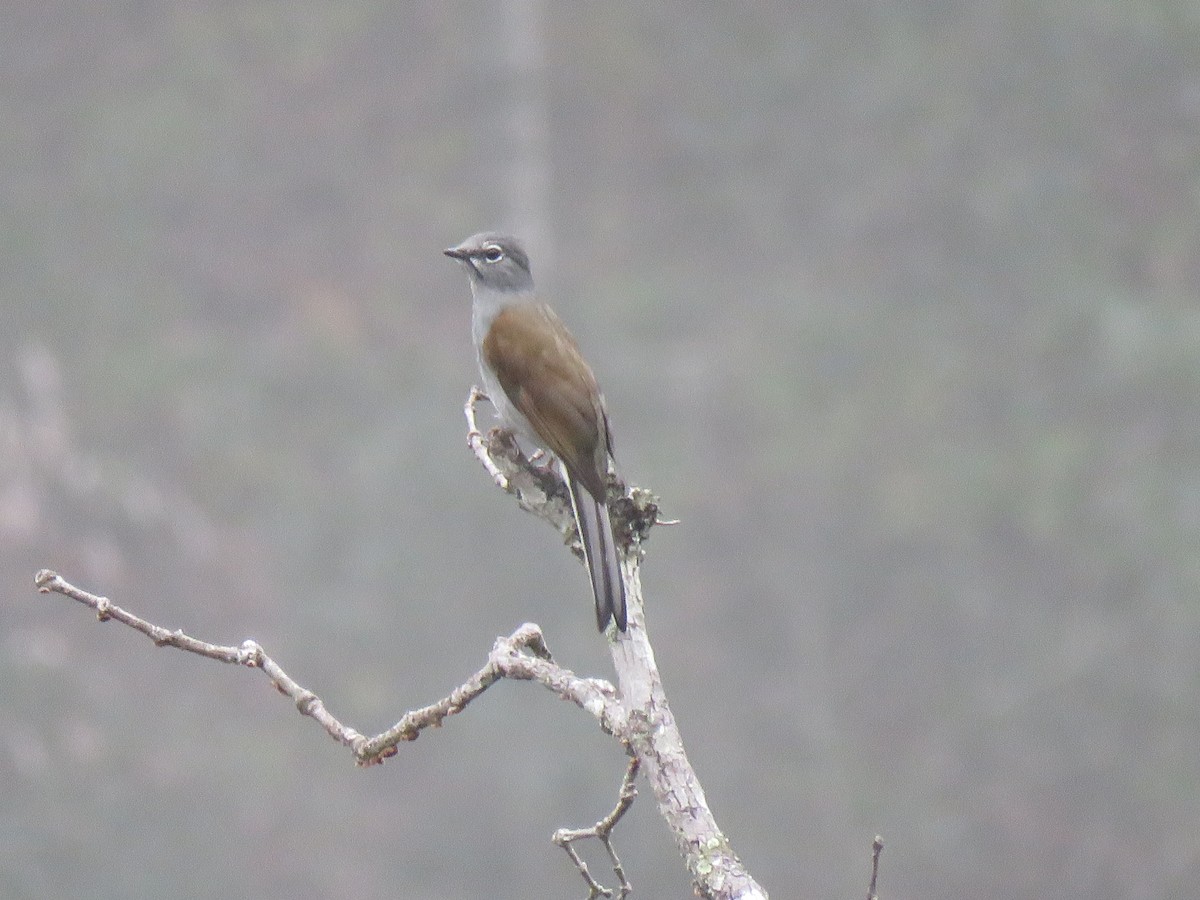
651	732
602	831
522	655
876	850
637	715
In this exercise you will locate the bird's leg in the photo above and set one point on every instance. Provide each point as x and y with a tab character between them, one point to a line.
542	461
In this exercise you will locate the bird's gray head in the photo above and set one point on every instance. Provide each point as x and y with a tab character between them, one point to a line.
495	261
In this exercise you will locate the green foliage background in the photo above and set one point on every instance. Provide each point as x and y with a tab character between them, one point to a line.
896	305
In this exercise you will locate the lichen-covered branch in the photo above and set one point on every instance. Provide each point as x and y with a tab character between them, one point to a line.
651	732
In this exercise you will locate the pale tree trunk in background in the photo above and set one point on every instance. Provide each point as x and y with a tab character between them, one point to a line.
528	165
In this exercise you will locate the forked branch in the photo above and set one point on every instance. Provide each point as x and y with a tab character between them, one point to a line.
602	831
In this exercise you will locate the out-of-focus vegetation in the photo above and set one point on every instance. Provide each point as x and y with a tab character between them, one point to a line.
896	305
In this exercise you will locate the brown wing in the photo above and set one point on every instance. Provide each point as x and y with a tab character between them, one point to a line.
546	378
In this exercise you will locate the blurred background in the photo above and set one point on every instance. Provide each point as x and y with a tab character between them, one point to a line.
895	305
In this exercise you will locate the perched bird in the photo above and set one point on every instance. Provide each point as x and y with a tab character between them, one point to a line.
544	391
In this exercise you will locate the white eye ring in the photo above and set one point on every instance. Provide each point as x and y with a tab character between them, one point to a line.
493	253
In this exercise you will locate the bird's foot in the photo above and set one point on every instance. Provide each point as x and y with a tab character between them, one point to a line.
541	461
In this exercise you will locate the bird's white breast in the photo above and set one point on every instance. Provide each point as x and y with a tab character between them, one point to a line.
486	305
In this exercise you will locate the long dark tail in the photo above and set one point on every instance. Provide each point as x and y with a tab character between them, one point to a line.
600	554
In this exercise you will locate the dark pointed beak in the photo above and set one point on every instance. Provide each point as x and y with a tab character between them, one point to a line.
459	252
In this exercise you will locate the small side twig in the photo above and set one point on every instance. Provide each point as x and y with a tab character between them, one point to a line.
602	831
514	472
876	850
478	443
523	656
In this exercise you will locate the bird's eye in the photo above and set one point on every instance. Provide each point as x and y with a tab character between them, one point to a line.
493	253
